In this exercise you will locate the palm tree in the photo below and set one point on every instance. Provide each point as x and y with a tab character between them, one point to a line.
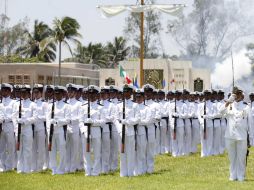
32	47
117	51
64	31
91	54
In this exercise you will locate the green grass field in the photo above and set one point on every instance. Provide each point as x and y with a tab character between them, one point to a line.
192	173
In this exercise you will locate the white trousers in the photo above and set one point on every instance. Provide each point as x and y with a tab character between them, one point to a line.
92	167
72	150
114	148
39	150
168	140
223	130
58	146
140	167
7	150
187	138
216	140
105	149
195	136
158	138
127	159
237	156
206	144
178	143
25	153
163	136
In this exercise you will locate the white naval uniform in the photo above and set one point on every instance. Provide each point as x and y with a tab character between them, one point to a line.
145	140
107	112
164	126
187	128
206	144
114	143
216	128
61	118
251	122
40	138
132	117
178	143
193	107
7	138
158	126
73	137
28	117
236	137
92	167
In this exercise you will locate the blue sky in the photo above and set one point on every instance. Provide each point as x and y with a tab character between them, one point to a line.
94	28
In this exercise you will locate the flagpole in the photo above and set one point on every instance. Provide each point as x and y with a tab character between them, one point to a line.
141	47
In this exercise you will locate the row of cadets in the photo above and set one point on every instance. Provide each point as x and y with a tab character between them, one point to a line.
7	138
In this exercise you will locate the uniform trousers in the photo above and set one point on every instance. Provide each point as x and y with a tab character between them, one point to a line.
105	167
7	150
114	148
58	146
92	167
39	150
25	153
127	159
237	156
72	150
178	143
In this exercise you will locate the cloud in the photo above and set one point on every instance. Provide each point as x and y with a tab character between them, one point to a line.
222	75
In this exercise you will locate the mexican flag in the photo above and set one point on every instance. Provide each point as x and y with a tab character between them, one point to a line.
124	75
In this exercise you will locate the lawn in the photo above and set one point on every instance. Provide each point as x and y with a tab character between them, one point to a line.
192	173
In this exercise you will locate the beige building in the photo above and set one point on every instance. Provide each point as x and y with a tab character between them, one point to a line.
46	73
176	74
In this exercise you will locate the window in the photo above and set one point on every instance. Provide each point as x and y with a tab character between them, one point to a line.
27	79
49	80
11	79
19	79
40	79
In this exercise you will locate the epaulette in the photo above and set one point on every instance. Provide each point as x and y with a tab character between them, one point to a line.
245	103
100	104
84	104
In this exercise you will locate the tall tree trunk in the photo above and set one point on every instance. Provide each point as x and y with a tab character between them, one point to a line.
59	66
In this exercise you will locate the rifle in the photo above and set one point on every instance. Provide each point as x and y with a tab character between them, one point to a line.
205	120
123	129
88	128
135	133
175	123
19	126
51	130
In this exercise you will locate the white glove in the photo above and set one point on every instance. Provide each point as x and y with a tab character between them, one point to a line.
42	118
123	121
89	120
20	121
206	117
52	121
75	121
175	114
232	98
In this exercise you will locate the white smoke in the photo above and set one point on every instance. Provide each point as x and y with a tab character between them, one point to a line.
222	76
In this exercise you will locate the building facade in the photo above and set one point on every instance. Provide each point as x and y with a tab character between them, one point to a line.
47	73
162	73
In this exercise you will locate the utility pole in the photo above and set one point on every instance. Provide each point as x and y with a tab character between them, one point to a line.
142	47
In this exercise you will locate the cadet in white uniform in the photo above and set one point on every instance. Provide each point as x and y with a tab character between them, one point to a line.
178	125
7	139
236	112
28	117
114	142
73	138
125	125
107	113
91	113
40	134
251	116
60	120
